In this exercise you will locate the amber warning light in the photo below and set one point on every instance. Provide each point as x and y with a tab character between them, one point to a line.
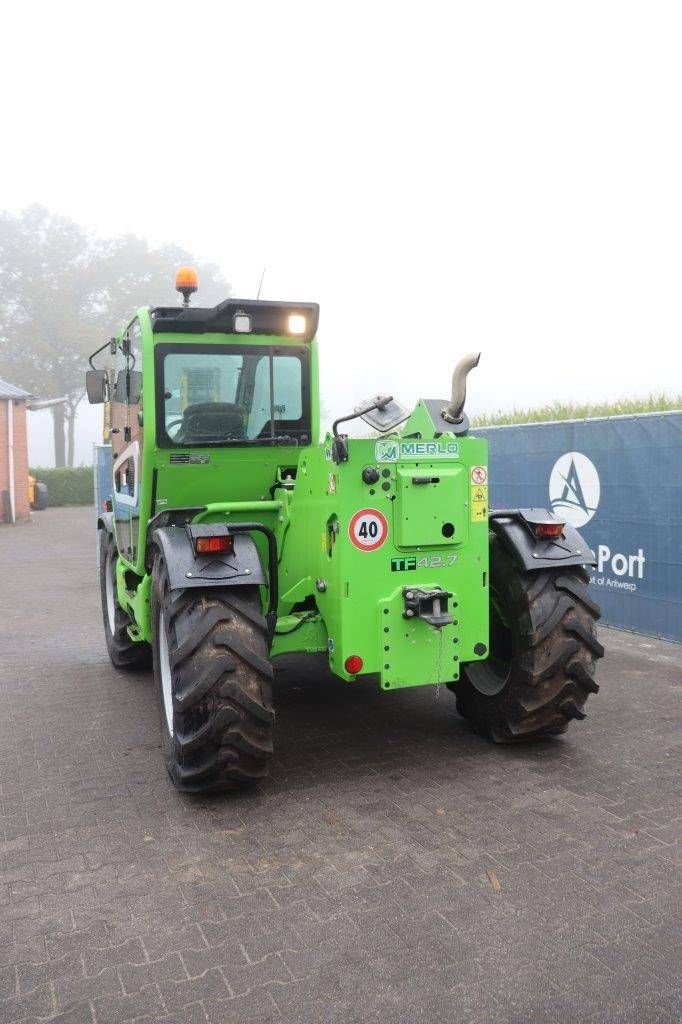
186	282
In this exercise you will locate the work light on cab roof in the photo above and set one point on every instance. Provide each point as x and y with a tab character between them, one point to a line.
186	282
296	323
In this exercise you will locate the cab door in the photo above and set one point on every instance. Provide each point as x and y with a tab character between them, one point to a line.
126	441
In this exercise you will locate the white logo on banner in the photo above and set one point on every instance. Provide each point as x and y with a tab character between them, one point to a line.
574	489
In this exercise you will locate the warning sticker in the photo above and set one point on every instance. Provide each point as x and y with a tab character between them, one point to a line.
479	503
479	475
368	529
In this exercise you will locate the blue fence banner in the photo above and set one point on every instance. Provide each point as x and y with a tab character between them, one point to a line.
619	481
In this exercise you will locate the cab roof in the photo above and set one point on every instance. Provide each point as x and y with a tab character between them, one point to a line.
266	317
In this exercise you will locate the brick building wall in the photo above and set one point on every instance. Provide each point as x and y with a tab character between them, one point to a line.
20	458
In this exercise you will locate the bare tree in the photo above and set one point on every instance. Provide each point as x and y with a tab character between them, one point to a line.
65	291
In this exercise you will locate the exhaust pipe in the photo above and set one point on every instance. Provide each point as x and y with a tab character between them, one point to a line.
453	412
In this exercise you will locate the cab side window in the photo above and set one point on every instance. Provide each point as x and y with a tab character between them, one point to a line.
124	479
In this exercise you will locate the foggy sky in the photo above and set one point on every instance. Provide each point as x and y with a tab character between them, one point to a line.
440	177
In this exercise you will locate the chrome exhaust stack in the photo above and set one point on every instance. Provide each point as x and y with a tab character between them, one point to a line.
454	411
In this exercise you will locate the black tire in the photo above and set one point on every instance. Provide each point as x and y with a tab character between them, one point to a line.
124	652
217	718
543	652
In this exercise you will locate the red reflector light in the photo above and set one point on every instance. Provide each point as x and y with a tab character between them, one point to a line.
548	530
215	545
353	665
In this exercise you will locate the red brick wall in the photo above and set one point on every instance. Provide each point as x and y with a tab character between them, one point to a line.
20	458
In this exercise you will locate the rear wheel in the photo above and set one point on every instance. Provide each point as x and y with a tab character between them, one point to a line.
543	652
124	652
214	683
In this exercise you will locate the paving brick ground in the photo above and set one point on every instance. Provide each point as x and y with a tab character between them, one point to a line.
354	885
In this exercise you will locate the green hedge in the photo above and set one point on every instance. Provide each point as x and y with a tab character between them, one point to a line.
67	486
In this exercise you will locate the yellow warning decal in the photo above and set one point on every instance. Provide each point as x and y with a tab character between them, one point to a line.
479	503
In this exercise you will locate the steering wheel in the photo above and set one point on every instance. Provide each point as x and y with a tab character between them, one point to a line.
169	427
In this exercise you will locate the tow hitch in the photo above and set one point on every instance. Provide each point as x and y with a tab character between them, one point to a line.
429	605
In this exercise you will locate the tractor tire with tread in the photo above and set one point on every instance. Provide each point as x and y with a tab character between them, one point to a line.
543	653
124	652
214	684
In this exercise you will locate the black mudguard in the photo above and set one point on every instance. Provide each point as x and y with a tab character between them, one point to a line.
515	530
241	567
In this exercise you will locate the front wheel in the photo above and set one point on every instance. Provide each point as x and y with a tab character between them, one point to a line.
124	652
214	684
543	653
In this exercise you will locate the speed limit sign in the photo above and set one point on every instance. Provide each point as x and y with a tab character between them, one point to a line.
368	529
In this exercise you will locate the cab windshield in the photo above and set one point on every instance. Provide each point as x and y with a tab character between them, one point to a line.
226	395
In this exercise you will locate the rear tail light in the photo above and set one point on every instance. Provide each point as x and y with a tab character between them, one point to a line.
215	545
548	531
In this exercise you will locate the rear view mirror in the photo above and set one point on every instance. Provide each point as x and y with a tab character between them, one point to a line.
129	386
134	387
382	413
96	386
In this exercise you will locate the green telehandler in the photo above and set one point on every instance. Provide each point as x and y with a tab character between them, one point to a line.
229	534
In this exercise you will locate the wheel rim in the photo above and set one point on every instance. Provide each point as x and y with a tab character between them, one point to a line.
164	666
491	676
109	577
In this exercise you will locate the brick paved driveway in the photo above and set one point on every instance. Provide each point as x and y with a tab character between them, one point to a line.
353	886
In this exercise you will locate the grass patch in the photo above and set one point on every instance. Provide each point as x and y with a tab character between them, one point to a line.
581	410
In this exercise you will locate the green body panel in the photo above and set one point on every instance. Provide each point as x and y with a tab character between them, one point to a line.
335	595
362	601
